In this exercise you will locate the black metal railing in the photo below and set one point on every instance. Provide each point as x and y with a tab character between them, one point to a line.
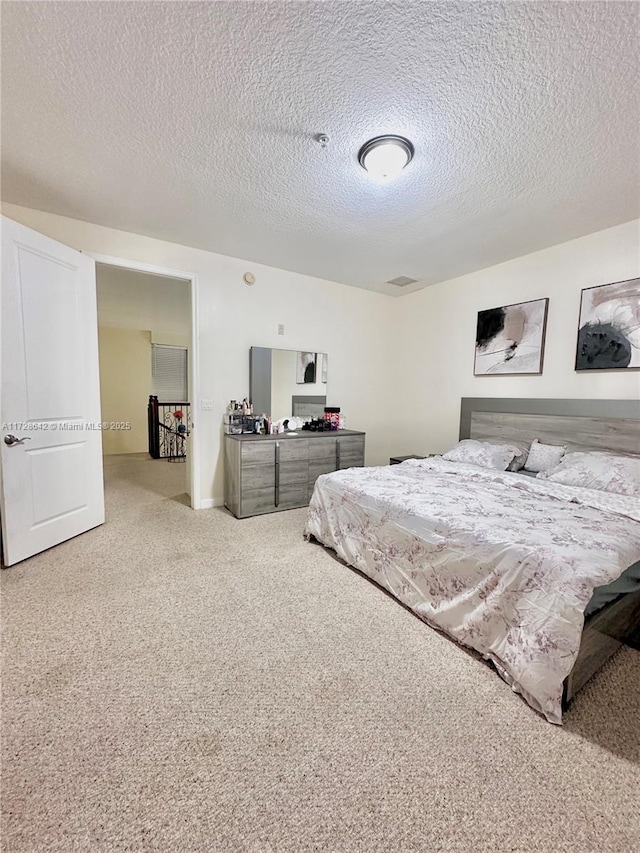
168	425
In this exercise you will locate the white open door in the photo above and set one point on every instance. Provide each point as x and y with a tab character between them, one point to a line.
50	441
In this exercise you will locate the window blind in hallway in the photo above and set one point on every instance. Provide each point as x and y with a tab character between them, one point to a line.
169	373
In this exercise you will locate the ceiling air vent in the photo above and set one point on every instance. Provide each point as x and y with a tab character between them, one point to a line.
402	281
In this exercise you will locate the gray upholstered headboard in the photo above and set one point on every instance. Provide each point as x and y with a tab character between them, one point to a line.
579	424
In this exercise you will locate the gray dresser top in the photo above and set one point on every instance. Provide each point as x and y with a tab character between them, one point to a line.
306	433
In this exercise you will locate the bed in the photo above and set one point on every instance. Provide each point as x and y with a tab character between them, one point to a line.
541	579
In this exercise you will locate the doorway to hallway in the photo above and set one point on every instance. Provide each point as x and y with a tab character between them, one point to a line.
144	337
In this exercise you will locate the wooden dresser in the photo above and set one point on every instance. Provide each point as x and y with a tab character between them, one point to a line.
269	473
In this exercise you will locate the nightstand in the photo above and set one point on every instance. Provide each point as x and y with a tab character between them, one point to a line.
396	460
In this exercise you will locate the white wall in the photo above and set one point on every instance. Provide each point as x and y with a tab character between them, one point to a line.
128	299
398	367
350	324
434	354
125	385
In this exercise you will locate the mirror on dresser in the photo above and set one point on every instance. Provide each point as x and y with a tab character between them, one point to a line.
288	382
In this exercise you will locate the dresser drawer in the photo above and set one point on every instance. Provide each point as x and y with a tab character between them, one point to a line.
351	451
258	476
351	444
316	468
293	496
323	449
264	452
256	452
257	501
293	449
294	472
355	461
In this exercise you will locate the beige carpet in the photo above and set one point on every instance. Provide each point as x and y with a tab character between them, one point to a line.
182	681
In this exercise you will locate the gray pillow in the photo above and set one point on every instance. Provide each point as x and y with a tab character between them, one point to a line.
518	462
543	457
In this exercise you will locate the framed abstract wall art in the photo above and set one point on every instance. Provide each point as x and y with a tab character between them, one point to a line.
306	368
510	340
609	327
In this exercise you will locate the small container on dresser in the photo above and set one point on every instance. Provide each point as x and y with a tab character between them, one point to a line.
332	417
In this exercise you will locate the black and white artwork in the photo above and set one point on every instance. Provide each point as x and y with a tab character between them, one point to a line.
609	327
510	340
306	368
325	367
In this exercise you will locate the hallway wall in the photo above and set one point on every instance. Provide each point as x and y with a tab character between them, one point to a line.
125	385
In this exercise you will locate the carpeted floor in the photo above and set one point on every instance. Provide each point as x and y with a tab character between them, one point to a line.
182	681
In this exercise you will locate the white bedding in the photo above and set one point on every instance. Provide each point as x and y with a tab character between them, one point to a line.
504	564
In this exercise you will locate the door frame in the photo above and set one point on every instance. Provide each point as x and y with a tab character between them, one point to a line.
194	366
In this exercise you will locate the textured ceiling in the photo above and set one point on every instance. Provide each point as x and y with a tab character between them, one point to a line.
195	123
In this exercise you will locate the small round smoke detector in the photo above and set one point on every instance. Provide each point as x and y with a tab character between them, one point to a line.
249	278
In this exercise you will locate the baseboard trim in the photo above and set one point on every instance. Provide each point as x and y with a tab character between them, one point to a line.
209	503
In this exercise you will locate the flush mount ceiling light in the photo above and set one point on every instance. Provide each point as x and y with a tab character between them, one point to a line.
384	157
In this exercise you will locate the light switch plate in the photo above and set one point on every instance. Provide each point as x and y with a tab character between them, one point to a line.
281	328
206	405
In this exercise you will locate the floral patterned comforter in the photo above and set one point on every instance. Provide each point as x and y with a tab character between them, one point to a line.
502	563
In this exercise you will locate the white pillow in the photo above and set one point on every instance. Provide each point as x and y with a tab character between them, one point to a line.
607	472
543	457
482	453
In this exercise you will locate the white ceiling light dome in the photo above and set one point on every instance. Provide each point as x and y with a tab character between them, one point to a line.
384	157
